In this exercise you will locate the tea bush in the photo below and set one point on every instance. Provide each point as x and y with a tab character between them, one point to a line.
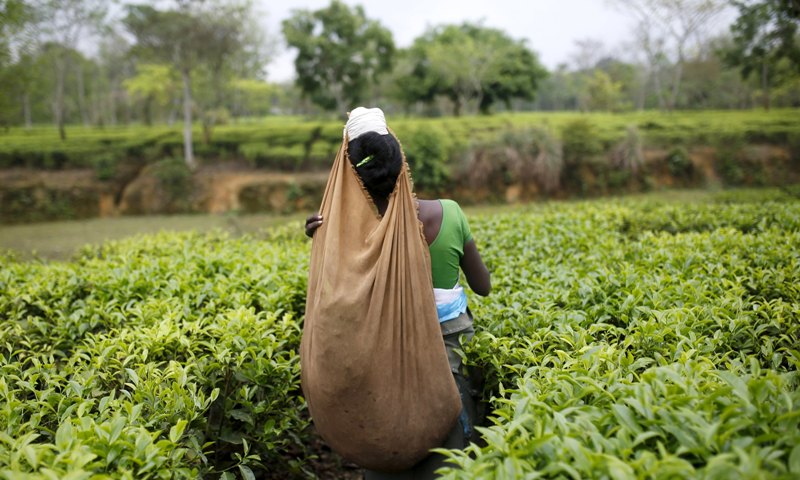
158	357
641	340
582	134
629	338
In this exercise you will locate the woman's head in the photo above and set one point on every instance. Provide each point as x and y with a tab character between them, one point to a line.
378	161
373	151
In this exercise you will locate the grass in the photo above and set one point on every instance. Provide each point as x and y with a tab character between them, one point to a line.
60	240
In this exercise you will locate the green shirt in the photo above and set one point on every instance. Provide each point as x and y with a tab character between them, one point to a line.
448	246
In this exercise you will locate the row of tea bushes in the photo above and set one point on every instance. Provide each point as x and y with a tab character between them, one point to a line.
631	338
291	142
640	339
169	356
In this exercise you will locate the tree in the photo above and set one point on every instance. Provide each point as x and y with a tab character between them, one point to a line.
627	76
15	15
116	65
664	31
515	73
252	97
61	24
602	92
470	64
340	53
189	38
559	91
154	85
764	34
585	57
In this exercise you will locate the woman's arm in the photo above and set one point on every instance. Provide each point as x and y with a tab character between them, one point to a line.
474	269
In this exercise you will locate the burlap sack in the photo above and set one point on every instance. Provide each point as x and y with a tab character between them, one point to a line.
374	369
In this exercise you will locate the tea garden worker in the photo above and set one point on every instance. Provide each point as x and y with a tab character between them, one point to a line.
377	158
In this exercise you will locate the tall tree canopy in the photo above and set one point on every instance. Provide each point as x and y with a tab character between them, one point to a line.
764	35
665	31
470	64
340	53
14	15
60	25
188	38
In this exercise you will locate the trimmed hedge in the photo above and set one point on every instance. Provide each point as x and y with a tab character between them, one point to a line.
289	142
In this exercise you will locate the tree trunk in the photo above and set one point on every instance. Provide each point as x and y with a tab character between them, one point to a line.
112	103
58	104
82	96
456	105
676	81
659	93
642	94
26	110
188	154
765	85
147	108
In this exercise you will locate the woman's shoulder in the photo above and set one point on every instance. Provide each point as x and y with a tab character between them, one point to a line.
429	209
444	202
451	206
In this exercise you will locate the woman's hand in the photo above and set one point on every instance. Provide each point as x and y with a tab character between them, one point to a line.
312	224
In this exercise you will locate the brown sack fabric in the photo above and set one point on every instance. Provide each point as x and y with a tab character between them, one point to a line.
374	369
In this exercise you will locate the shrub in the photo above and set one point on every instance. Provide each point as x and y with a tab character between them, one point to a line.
627	155
254	152
322	154
105	165
679	164
580	141
426	153
535	155
174	176
525	156
727	164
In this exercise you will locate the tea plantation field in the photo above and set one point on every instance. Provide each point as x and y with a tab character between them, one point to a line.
624	339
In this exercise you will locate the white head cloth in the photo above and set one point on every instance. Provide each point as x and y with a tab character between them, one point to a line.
363	120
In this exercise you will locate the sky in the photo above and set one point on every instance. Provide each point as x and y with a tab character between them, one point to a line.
551	27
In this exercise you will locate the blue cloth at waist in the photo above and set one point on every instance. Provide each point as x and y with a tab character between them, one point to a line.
452	309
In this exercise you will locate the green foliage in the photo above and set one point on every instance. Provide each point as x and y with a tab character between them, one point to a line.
580	141
171	356
426	153
679	163
604	93
341	53
105	164
764	34
583	135
727	160
469	63
188	37
174	176
155	85
13	16
636	340
623	339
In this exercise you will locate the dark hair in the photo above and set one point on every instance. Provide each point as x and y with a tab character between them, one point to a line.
380	173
